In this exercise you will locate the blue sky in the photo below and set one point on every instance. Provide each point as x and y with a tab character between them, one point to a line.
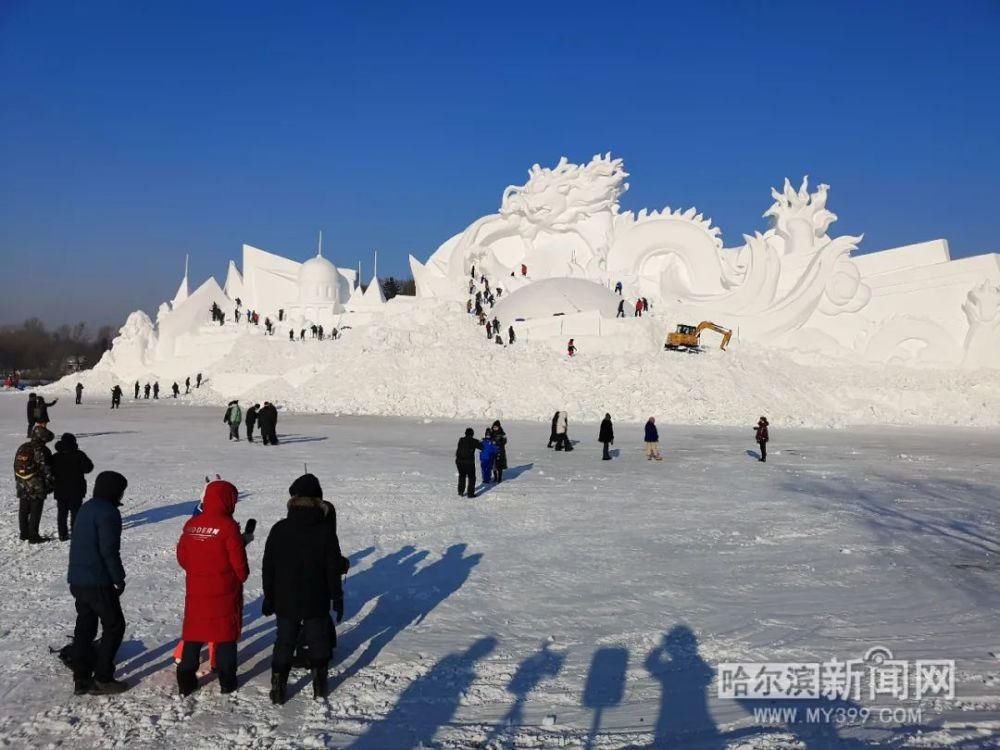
133	132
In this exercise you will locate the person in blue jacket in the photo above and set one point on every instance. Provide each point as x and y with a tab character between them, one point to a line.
487	455
97	579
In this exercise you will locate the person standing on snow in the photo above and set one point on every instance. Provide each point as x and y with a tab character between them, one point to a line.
301	576
618	289
34	481
42	409
761	436
187	385
156	391
79	393
32	398
500	440
652	438
552	432
487	454
69	467
606	436
116	397
252	421
97	579
176	389
267	419
234	415
562	433
137	390
198	381
465	462
510	335
621	309
638	309
212	553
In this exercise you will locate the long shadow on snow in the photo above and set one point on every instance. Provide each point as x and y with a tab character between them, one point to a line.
539	666
167	512
146	662
80	435
289	439
509	474
407	596
428	703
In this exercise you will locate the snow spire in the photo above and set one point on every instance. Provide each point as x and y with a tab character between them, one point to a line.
182	290
319	247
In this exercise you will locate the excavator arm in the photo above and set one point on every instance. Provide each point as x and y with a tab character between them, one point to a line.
725	332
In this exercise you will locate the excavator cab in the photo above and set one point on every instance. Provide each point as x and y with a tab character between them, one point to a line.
688	338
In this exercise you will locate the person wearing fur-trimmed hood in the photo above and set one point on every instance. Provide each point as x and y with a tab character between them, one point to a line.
301	577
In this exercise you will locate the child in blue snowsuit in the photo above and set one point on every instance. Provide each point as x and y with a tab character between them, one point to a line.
487	455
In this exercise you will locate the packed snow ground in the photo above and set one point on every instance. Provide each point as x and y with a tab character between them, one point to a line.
578	602
418	361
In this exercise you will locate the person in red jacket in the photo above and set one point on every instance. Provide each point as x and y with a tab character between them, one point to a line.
213	555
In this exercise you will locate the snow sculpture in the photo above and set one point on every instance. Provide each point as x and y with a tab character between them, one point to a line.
133	349
789	286
982	307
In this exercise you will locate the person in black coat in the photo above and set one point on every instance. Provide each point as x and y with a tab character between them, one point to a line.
251	420
97	579
606	436
302	569
32	398
761	436
69	467
465	461
552	433
267	420
500	462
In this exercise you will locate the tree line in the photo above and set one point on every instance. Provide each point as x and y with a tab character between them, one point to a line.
41	353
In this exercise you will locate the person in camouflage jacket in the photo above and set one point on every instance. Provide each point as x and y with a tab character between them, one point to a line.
34	480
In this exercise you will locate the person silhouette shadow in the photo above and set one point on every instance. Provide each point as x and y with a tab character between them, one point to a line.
684	677
395	612
544	664
427	703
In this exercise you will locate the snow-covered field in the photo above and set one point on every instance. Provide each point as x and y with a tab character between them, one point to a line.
579	602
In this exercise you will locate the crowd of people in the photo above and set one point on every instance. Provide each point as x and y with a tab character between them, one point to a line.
265	417
481	295
302	570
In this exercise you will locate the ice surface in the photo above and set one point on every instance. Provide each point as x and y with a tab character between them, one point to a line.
504	618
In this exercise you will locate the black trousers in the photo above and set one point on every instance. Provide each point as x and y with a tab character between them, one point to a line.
607	453
763	451
225	660
78	397
250	426
315	636
562	442
29	515
30	427
466	474
66	510
96	604
269	435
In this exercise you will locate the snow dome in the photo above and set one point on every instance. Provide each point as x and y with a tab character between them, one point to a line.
318	282
549	297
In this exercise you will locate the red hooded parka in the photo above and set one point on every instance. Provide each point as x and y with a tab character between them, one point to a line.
213	555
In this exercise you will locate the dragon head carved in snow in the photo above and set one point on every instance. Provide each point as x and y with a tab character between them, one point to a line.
568	193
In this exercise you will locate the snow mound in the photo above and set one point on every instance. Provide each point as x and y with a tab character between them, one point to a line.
400	366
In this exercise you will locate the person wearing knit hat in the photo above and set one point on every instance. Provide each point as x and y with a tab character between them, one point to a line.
97	580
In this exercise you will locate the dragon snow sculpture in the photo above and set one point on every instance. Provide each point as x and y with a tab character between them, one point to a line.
565	222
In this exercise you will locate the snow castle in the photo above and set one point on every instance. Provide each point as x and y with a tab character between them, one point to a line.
558	246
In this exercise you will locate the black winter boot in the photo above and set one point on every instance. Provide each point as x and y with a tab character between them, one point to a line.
279	681
187	681
319	679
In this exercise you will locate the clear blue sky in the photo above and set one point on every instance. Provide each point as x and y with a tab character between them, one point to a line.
133	132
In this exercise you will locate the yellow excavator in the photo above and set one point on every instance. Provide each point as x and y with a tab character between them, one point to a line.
688	338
